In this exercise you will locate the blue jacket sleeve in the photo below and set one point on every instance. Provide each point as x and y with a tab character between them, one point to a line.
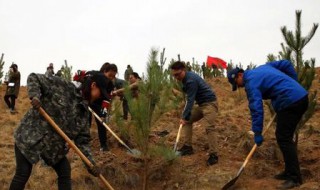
191	90
286	67
256	107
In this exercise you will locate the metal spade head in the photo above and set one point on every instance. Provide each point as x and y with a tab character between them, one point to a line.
134	152
230	183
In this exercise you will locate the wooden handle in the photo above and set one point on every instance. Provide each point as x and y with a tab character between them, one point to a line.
255	146
178	137
72	145
110	130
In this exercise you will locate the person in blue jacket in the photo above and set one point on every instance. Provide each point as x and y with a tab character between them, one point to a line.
276	81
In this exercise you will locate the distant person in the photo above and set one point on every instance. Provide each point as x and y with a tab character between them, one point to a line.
197	91
35	138
50	70
276	81
188	67
134	80
13	87
59	73
203	68
127	73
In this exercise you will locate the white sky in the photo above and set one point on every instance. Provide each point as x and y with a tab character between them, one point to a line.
87	33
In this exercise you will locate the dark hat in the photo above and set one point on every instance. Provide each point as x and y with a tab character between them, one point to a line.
136	75
232	74
14	66
104	84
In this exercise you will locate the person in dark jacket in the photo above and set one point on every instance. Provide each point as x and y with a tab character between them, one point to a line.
197	91
134	80
103	113
50	70
110	71
276	81
13	87
35	138
127	72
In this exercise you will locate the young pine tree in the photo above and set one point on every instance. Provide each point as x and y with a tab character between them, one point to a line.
153	100
66	71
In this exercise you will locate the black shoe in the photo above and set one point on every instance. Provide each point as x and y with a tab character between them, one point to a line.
104	148
213	159
185	150
289	184
282	176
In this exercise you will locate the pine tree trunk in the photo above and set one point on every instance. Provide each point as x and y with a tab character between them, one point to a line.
145	174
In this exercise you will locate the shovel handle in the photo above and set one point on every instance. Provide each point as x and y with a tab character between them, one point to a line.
178	137
110	130
255	146
233	181
72	145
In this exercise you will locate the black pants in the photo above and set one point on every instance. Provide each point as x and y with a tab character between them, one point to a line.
10	103
24	168
287	121
102	131
125	108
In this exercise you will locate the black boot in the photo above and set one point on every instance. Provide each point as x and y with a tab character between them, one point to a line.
185	150
213	159
104	148
289	184
282	176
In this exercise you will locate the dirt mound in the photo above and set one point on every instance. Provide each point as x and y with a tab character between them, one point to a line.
190	172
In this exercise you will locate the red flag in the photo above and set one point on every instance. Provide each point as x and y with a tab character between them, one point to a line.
216	61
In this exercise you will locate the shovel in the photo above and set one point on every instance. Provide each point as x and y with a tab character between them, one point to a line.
134	152
233	181
72	145
177	139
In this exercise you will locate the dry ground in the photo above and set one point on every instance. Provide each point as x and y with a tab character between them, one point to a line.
190	172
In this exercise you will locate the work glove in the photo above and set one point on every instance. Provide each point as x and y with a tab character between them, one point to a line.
35	102
258	138
94	170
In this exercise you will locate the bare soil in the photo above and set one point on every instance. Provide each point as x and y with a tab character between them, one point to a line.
189	172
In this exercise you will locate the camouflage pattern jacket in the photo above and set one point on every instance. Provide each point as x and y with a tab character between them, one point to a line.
36	138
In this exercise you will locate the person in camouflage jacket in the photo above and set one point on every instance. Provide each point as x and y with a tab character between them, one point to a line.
35	138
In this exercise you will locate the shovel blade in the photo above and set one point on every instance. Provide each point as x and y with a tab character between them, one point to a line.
177	153
134	152
233	181
230	183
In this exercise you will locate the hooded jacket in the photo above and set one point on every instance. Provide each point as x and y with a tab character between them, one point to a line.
276	81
